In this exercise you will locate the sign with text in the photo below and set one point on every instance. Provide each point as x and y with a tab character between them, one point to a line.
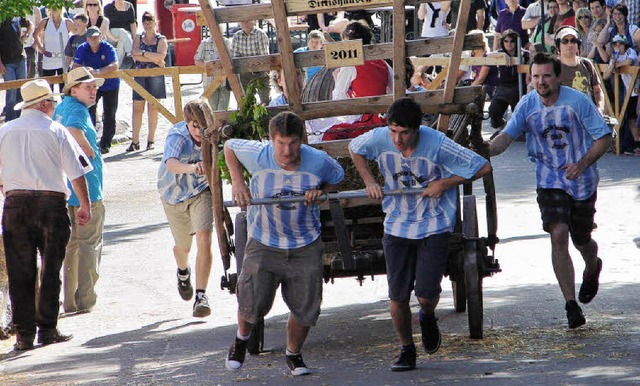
345	53
320	5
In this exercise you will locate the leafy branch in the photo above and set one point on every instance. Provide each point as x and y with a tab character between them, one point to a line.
13	8
250	121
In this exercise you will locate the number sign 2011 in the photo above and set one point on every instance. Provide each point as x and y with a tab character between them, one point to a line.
346	53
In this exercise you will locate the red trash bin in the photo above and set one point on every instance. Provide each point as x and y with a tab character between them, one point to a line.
184	26
165	19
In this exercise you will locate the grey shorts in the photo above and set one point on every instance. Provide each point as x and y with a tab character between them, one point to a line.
298	272
188	217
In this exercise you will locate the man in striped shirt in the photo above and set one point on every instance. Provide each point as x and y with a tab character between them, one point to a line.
416	227
566	135
284	245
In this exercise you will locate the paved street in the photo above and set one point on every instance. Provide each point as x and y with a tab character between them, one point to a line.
141	332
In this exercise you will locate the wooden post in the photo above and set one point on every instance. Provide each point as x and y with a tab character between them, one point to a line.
177	93
399	50
225	57
454	63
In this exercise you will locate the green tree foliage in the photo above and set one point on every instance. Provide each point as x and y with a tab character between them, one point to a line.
12	8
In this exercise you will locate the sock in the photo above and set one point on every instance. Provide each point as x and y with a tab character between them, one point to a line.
200	292
183	272
241	337
289	353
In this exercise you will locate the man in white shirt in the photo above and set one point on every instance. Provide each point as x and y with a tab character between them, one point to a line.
36	157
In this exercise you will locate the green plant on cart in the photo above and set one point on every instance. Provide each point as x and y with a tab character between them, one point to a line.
250	121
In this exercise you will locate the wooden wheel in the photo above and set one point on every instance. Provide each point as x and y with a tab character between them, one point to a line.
472	278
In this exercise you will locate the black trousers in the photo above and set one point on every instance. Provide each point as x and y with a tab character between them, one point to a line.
32	224
503	97
109	108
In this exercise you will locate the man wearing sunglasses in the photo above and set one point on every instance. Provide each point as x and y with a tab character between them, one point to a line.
577	72
565	135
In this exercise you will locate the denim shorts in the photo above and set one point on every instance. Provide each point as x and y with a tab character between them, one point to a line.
415	263
153	84
297	271
557	206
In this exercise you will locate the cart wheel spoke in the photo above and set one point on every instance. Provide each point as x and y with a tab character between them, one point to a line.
472	277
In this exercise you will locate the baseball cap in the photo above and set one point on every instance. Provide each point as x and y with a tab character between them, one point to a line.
93	32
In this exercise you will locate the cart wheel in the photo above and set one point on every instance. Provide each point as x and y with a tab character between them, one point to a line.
459	295
240	240
472	278
255	345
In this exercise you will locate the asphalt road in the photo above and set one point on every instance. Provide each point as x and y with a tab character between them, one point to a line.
141	332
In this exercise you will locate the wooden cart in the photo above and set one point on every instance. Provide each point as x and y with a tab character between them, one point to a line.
353	241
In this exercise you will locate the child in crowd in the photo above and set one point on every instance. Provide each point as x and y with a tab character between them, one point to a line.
315	41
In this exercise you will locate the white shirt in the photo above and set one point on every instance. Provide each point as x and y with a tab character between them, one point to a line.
37	153
435	22
51	42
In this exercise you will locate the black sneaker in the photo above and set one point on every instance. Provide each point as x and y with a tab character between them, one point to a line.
406	360
237	351
296	365
431	336
201	306
574	314
590	284
184	285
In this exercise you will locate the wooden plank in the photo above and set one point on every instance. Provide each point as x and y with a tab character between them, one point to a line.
454	64
294	6
225	56
316	58
213	86
286	54
177	94
399	50
148	97
467	61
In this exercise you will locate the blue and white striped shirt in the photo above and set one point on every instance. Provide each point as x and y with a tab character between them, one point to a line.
435	157
559	135
175	188
284	226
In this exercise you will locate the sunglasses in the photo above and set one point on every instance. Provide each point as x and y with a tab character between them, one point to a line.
509	41
584	17
93	4
567	41
146	19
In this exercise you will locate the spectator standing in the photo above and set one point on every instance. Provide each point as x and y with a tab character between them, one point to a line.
434	16
186	199
122	19
30	47
37	155
100	58
95	15
618	25
50	36
623	55
315	41
13	33
477	14
484	75
84	250
533	13
598	9
507	92
584	20
252	41
510	18
80	22
547	28
207	52
284	247
416	228
566	14
149	51
577	72
566	135
598	53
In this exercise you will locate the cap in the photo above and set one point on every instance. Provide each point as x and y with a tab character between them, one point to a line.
567	31
619	39
93	32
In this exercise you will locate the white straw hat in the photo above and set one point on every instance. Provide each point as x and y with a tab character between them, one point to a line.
80	75
33	92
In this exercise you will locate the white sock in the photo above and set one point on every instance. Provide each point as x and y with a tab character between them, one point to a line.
289	353
241	337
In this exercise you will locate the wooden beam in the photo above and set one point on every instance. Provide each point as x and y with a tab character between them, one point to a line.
218	39
399	50
217	81
177	94
454	64
148	97
291	76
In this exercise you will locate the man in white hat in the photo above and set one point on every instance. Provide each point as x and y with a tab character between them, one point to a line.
37	155
85	245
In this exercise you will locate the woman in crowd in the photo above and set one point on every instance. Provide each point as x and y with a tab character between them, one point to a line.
618	25
149	51
122	20
584	19
598	52
93	10
50	36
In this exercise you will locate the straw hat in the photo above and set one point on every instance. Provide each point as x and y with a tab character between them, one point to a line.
33	92
80	75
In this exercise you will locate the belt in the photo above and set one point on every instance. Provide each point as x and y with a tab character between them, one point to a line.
35	193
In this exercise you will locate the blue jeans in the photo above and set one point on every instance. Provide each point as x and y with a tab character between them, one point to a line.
14	71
